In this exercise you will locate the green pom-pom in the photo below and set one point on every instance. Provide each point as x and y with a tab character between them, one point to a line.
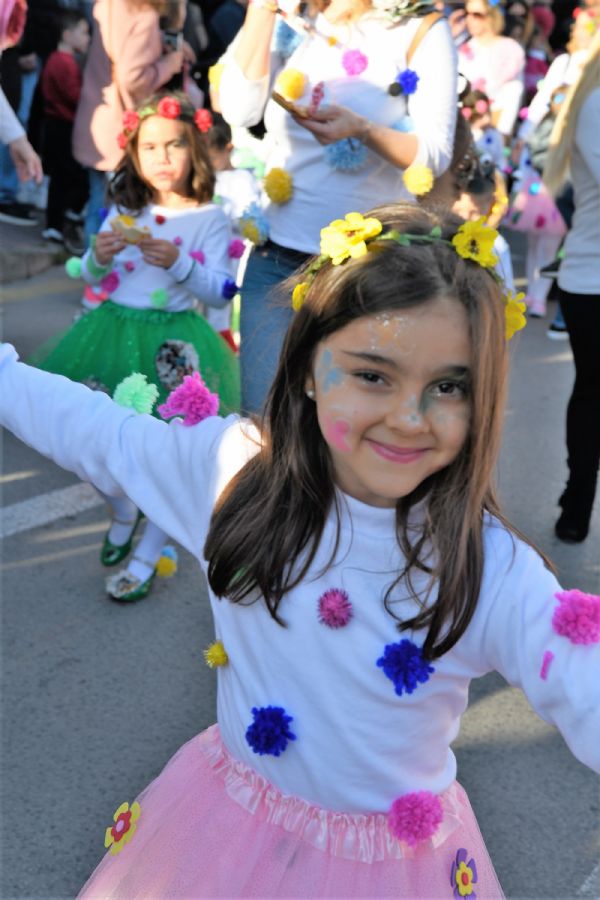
158	298
73	267
135	393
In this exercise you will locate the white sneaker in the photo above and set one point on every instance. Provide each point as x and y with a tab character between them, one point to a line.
52	234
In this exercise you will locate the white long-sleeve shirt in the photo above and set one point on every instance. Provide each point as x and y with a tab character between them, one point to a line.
579	271
565	69
188	281
10	127
359	743
322	193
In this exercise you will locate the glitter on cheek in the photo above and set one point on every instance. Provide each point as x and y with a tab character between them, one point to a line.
335	431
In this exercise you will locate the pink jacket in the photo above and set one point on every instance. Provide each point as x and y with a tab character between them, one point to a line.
129	36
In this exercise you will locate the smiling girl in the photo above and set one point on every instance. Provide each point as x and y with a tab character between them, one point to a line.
360	575
163	247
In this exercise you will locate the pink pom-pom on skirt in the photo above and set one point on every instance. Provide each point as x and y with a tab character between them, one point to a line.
210	826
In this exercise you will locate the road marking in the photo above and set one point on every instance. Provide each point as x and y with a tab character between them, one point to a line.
49	507
591	885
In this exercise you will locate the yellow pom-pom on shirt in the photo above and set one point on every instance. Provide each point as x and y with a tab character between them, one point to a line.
291	84
418	179
215	655
278	185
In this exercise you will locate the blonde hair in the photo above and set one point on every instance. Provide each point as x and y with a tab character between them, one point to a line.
562	138
496	17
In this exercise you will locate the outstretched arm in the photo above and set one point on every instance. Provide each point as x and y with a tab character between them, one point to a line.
169	471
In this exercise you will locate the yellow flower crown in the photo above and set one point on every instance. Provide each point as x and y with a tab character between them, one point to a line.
348	237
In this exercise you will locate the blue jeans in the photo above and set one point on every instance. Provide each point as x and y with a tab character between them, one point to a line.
9	183
265	315
96	201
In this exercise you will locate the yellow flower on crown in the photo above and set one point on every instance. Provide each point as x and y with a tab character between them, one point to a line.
514	314
475	240
291	84
418	179
346	237
299	295
278	185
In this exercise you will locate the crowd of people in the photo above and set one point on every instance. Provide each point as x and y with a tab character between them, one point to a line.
291	213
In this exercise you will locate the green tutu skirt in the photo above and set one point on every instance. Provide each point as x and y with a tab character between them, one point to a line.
106	345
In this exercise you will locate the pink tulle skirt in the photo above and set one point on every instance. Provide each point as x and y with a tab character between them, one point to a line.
210	826
533	210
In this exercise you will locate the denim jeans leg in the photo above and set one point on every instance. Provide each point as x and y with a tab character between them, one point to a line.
264	319
93	219
9	183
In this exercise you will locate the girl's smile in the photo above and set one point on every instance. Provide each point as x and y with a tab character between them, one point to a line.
393	412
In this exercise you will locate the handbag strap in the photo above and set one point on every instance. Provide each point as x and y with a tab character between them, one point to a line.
426	23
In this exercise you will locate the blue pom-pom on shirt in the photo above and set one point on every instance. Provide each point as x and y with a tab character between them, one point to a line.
346	155
403	663
269	733
229	289
285	39
408	81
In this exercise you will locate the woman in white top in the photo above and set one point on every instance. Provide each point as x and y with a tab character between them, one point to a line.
574	147
381	111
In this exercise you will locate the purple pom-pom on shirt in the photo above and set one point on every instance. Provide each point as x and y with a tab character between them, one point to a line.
403	663
335	610
236	248
415	817
110	282
229	289
354	62
178	241
269	733
408	81
577	617
192	400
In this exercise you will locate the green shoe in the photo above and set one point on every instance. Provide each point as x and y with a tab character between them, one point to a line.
112	554
127	588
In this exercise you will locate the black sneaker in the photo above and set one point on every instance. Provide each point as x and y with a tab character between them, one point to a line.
73	238
551	270
17	214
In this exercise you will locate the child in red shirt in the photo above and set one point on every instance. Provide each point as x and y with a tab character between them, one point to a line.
61	87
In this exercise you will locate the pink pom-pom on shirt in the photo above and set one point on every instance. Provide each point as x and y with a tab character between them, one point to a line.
129	266
335	610
110	282
415	817
578	617
236	248
199	256
192	400
178	241
354	62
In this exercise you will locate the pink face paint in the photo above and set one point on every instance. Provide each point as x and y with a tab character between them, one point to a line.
335	433
548	657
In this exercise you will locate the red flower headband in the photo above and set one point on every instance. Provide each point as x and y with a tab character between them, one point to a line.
168	108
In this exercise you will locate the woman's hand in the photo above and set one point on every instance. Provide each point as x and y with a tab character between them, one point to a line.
159	253
108	244
174	60
334	123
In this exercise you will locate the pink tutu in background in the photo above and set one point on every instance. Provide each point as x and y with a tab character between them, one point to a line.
532	209
210	826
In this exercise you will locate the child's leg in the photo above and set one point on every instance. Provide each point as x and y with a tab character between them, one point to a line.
147	553
124	516
541	249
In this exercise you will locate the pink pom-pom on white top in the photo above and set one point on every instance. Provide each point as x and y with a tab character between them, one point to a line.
578	617
236	248
192	400
415	817
335	610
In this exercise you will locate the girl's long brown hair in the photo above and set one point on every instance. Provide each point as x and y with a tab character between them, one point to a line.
128	189
268	523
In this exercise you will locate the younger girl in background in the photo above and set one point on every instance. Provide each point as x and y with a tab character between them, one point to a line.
361	574
476	109
534	211
163	247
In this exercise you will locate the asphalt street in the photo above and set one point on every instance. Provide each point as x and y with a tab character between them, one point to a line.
97	696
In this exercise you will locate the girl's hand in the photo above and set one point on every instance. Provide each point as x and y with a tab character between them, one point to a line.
159	253
108	244
174	61
333	124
